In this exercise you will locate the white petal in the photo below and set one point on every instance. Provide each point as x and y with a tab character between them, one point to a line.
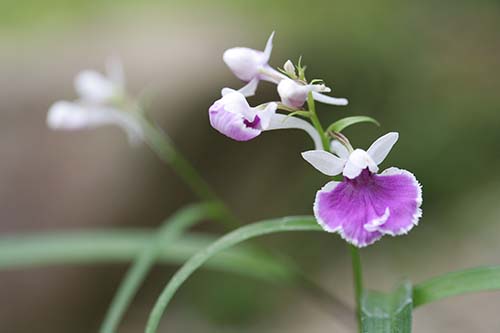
73	116
249	88
339	149
325	162
357	162
269	47
328	99
267	114
382	146
93	86
67	115
226	91
280	121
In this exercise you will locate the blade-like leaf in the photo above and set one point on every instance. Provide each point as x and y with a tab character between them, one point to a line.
170	230
456	283
237	236
111	246
387	313
343	123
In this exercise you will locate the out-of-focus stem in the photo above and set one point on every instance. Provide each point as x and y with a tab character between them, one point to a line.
163	146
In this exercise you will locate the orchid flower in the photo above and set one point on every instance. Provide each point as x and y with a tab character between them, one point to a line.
251	66
294	93
97	104
232	116
365	206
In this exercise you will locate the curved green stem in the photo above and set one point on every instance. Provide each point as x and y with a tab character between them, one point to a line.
170	230
237	236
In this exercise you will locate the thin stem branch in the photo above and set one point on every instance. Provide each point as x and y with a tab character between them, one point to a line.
355	257
316	122
163	146
168	232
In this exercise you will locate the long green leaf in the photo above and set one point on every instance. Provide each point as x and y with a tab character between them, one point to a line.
111	246
387	313
343	123
237	236
457	283
170	230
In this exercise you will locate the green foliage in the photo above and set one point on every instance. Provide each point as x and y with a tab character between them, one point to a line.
387	313
171	229
237	236
343	123
457	283
91	247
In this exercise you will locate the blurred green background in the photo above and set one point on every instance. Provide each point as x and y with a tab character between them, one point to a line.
428	69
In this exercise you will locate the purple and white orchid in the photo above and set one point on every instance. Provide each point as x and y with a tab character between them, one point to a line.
96	106
252	66
365	205
232	116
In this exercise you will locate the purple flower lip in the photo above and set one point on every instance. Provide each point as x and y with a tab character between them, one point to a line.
232	116
365	206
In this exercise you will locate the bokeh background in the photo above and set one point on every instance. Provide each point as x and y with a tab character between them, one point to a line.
428	69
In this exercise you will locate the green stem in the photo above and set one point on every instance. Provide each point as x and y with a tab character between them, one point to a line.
355	257
358	281
170	231
163	146
316	122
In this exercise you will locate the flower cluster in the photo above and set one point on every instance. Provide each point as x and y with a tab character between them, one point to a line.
362	207
232	116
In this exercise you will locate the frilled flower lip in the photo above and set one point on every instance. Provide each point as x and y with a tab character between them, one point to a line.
364	209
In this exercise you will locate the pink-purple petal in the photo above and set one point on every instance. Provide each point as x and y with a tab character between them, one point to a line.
365	208
403	194
232	125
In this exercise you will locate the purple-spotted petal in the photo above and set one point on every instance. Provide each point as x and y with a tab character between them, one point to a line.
365	208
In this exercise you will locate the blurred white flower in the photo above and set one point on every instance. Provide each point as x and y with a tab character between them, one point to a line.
97	105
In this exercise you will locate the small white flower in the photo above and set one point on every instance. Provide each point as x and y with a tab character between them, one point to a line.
251	66
96	105
294	93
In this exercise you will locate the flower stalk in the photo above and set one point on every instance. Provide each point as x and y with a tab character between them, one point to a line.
357	270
